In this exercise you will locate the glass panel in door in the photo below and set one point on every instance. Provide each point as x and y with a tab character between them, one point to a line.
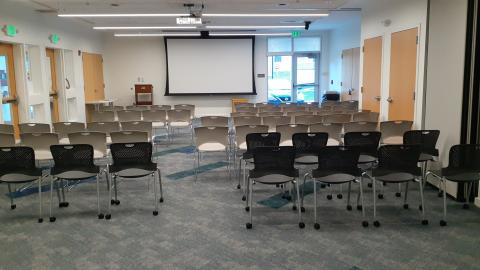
8	87
280	78
306	78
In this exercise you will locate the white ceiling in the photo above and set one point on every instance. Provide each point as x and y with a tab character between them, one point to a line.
336	8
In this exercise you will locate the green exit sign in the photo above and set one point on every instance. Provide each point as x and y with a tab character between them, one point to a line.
295	34
10	30
54	38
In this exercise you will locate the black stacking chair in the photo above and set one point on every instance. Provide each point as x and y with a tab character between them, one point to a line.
398	164
273	166
255	140
73	163
133	160
427	139
337	165
17	166
463	167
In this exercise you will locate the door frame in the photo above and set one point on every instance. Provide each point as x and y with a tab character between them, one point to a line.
55	109
317	56
12	84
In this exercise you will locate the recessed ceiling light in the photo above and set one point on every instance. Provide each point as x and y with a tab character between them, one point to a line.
125	15
196	34
141	27
254	26
265	15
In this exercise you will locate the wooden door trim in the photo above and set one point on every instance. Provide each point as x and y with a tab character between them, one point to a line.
12	84
54	91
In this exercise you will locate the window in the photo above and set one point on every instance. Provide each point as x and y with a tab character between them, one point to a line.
307	44
278	45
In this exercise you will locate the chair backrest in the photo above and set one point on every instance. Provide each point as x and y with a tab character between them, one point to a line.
296	113
247	109
266	114
293	109
63	128
4	128
105	116
287	131
189	107
241	133
34	128
138	126
427	139
159	116
207	138
105	127
14	159
131	154
214	121
311	104
129	136
274	160
247	120
255	140
39	141
339	159
392	131
399	158
270	109
334	131
263	104
98	140
365	117
140	108
308	119
72	156
111	108
359	126
243	105
273	121
464	157
161	107
368	142
179	115
129	115
337	118
237	114
7	140
309	143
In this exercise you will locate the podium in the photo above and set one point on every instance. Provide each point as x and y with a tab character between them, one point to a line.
143	94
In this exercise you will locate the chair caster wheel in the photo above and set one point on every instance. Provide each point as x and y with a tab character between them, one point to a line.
249	225
112	202
301	225
52	219
420	207
108	216
155	213
365	224
329	197
398	194
117	202
238	187
40	220
359	207
380	196
294	208
405	206
302	209
63	204
244	198
247	208
161	200
13	206
376	223
339	196
349	207
101	216
443	223
425	222
466	206
316	226
369	185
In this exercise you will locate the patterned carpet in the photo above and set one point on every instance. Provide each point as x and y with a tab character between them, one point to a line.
202	226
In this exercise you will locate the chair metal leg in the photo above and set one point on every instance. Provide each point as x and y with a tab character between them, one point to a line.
63	191
376	223
52	218
10	194
444	221
100	215
160	184
245	182
40	204
115	186
155	212
250	200
405	204
349	207
424	220
315	223
109	208
364	222
247	190
239	186
300	222
303	191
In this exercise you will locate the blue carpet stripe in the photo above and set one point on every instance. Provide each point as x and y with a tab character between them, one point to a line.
201	169
277	201
183	150
34	189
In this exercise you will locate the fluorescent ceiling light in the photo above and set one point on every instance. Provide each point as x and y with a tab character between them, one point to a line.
141	27
125	15
254	26
159	35
248	34
265	15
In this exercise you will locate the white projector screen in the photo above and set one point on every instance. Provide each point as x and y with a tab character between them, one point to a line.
209	66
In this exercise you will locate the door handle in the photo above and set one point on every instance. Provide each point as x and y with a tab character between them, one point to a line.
9	100
378	98
389	100
68	84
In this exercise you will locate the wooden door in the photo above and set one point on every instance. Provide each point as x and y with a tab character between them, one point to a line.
8	87
346	84
372	74
355	74
53	85
403	75
93	77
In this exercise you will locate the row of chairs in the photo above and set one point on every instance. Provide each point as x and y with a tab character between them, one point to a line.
190	107
161	116
302	117
75	163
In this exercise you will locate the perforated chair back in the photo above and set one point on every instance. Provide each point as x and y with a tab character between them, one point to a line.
161	107
266	114
157	116
309	143
427	139
392	131
98	140
64	128
337	159
359	127
255	140
274	160
129	115
34	128
105	127
18	159
78	157
4	128
241	133
337	118
129	136
138	126
214	121
105	116
334	132
273	121
308	119
130	155
365	116
7	140
40	142
247	120
287	131
179	115
211	138
367	142
463	158
398	158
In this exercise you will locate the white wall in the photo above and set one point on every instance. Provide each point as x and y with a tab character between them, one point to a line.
34	29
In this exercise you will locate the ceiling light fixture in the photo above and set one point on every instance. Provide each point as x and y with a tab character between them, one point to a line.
126	15
141	27
248	34
254	26
197	34
265	15
203	15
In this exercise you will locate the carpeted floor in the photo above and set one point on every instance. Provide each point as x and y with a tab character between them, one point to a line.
202	226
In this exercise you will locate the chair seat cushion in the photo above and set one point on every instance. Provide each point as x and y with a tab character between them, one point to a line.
21	176
318	173
43	155
335	178
247	155
425	157
263	173
211	147
75	173
179	124
460	175
393	177
133	171
273	179
306	159
366	159
158	124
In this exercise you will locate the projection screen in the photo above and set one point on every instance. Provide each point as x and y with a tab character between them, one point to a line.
209	66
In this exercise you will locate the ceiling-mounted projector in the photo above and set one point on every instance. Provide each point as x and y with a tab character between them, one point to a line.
189	20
